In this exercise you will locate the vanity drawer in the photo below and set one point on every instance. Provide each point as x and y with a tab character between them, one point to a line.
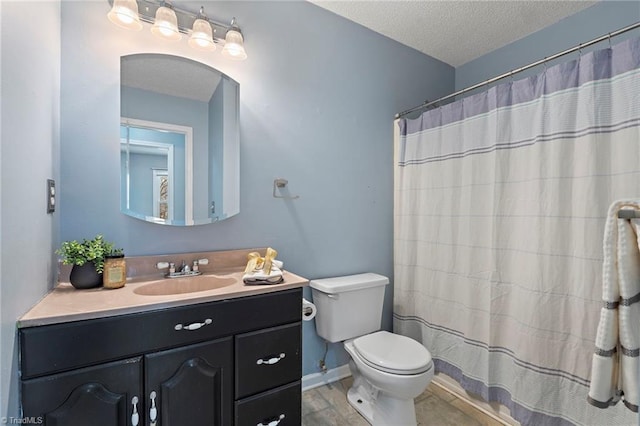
283	403
268	358
53	348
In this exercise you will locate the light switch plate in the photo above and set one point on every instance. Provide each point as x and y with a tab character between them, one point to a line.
51	195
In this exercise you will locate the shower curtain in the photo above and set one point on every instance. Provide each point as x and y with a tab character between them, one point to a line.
500	206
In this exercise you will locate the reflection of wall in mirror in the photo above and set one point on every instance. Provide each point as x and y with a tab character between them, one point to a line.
231	169
222	126
216	111
141	167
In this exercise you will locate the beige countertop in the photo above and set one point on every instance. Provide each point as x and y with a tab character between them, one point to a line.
65	303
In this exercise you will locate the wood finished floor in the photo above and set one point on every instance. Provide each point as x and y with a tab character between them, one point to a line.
327	406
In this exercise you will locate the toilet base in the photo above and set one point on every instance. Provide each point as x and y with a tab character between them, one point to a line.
361	403
386	411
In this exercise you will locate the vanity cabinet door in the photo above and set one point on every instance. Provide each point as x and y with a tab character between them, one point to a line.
104	395
191	385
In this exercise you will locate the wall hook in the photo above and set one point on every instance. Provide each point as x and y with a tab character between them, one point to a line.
282	183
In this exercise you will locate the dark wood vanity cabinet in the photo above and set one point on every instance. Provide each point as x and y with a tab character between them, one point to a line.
235	361
190	385
97	395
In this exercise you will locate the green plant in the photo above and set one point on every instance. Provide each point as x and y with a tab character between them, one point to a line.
95	250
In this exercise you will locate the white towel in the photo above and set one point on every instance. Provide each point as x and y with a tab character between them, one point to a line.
614	370
258	276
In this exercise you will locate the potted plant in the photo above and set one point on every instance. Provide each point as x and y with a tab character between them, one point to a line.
87	258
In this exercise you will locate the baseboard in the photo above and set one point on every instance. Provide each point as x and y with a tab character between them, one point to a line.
496	411
314	380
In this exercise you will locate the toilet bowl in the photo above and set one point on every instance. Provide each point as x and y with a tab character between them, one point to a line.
388	370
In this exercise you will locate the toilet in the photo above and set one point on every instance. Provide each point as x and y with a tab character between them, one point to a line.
388	370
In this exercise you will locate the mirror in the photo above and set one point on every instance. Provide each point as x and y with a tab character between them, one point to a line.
179	141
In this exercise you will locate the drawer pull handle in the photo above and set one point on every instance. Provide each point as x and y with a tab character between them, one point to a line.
193	326
271	359
272	421
153	411
135	417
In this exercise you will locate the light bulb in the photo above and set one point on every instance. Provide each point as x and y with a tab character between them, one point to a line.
202	36
166	24
124	14
234	45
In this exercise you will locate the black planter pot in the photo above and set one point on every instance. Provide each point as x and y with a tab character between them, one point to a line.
85	276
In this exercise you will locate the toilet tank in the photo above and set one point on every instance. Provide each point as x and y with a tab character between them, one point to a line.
348	306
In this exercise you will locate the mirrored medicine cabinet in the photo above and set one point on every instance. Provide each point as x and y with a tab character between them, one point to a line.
179	141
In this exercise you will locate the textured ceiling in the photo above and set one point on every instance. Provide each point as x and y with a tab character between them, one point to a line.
169	75
455	32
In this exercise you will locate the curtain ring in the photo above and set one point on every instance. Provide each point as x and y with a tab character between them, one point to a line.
544	64
609	40
580	50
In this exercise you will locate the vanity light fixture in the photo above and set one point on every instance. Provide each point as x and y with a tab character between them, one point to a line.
124	13
202	33
170	22
166	23
234	43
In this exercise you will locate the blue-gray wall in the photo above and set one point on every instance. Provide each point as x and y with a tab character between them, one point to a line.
29	155
588	24
314	109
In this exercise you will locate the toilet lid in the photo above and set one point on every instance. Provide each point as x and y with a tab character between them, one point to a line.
393	353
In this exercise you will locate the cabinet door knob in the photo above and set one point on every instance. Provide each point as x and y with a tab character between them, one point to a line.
193	326
272	421
153	411
271	359
135	417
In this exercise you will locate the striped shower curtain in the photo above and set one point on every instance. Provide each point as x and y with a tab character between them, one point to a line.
500	206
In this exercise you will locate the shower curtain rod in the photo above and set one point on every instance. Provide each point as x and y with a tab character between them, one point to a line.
628	214
428	103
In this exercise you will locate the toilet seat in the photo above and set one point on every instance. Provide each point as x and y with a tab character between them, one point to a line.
393	353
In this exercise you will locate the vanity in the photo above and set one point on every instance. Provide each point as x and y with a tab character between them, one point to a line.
230	355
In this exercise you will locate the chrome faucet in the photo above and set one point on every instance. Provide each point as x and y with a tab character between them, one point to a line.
184	270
